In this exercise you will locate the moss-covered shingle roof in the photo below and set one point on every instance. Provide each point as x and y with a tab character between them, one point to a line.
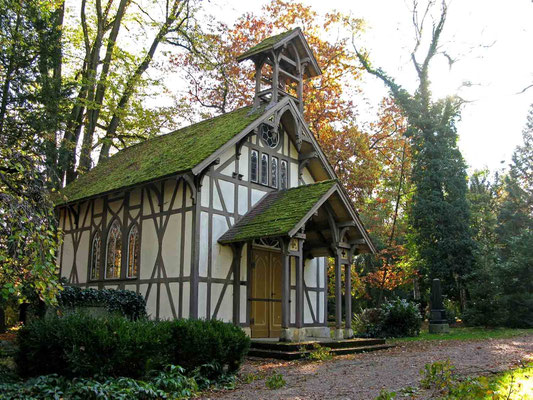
161	156
277	213
265	44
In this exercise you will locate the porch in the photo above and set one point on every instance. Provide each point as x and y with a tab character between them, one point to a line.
306	222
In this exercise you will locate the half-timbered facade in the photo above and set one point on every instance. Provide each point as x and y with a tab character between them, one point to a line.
232	218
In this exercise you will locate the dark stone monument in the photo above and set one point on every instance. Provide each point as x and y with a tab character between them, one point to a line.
437	320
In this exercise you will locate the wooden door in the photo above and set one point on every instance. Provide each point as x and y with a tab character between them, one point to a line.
266	294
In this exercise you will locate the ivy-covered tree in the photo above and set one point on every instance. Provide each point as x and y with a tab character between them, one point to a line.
440	240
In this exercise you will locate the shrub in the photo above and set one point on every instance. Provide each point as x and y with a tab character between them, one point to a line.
198	342
400	318
320	353
368	322
397	318
81	345
125	302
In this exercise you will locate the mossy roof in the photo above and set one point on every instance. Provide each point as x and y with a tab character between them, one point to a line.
265	44
165	155
277	213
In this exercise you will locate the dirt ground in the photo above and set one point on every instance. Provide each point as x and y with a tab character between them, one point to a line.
362	376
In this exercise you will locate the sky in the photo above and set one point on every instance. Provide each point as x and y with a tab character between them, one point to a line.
492	41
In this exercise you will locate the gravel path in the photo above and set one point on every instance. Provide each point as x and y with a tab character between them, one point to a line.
362	376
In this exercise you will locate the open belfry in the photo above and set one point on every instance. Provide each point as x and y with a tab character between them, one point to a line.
234	218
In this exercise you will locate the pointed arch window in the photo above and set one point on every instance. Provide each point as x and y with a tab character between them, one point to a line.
274	172
254	165
134	252
283	175
264	169
96	245
113	251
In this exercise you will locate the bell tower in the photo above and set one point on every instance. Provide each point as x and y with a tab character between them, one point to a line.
282	62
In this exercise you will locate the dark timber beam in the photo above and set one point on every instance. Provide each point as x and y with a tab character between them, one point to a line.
237	251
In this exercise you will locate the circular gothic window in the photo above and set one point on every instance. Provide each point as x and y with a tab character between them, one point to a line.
269	135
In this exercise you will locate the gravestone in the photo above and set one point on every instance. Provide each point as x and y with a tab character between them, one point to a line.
437	321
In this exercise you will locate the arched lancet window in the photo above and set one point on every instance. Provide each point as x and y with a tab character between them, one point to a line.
264	169
114	251
134	252
274	172
283	175
254	165
96	245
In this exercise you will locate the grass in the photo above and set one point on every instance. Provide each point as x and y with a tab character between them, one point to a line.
464	333
514	384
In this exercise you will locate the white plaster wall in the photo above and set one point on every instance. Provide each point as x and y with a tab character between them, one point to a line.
310	271
293	175
149	246
151	302
293	151
293	306
243	163
82	256
171	250
222	256
169	201
227	155
188	244
242	200
322	262
186	298
175	291
308	319
165	311
98	205
116	207
225	312
228	194
205	191
68	256
204	239
321	310
202	300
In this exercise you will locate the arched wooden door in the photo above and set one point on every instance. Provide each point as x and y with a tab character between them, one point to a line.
265	318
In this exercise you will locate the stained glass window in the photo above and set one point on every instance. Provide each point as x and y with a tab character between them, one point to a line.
114	251
254	161
133	252
95	255
269	135
264	169
283	175
274	172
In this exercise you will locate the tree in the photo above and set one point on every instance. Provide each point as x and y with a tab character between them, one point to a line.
440	239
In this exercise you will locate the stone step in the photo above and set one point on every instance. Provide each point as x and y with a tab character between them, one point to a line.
295	355
309	345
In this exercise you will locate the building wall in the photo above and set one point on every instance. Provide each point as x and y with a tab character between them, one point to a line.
163	212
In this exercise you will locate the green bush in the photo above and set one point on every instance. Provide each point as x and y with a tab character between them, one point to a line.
198	342
125	302
81	345
396	318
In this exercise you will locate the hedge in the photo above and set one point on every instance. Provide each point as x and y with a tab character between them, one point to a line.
125	302
81	345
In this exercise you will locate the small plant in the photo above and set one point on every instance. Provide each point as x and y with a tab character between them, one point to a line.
275	381
320	353
437	375
386	395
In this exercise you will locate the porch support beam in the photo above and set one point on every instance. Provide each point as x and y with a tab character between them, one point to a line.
299	286
338	295
285	284
237	251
